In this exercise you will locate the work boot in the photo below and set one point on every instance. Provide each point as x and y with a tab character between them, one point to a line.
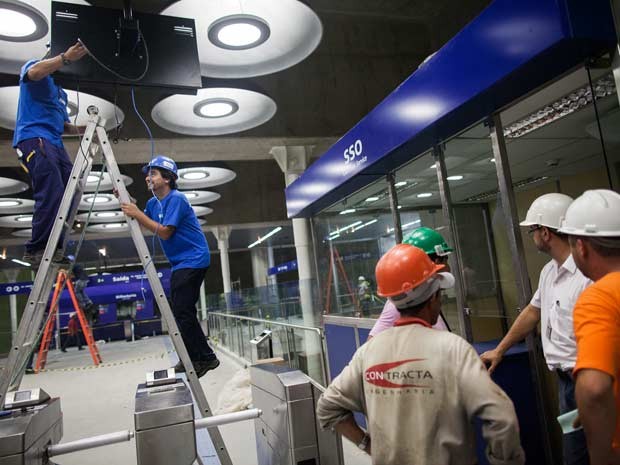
202	366
34	258
179	368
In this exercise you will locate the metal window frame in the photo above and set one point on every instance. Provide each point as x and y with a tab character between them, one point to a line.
524	288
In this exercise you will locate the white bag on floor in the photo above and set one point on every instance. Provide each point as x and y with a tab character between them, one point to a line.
236	394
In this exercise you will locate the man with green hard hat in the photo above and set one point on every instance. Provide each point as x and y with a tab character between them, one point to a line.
435	246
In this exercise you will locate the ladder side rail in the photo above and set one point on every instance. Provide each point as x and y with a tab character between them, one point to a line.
43	349
160	297
32	316
94	353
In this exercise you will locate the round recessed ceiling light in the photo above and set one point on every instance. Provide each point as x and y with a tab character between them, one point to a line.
102	217
8	110
238	32
99	202
9	203
240	38
201	211
200	177
214	111
216	108
16	221
10	186
200	197
106	182
20	22
108	227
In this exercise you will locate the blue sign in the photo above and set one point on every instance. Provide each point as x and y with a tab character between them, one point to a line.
283	268
118	279
15	288
510	49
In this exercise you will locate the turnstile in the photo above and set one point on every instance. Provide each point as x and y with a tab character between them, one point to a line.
287	433
26	433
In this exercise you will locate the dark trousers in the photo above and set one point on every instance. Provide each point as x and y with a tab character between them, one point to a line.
574	444
184	292
72	339
49	168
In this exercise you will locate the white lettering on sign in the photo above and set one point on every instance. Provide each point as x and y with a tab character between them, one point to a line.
352	151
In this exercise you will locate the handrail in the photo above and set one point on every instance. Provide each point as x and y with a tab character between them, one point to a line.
319	331
271	322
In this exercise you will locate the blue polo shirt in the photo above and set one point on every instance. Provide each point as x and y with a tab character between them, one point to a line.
187	247
41	109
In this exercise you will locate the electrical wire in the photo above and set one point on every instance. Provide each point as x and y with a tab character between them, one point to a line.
118	75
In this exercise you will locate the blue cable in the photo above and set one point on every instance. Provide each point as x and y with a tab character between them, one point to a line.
148	130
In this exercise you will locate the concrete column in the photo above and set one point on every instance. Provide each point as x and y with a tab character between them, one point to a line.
293	161
222	233
203	301
260	264
271	279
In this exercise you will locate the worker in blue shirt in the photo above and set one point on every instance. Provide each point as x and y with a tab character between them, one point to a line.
42	118
170	216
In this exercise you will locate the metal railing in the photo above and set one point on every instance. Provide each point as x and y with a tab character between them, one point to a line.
299	346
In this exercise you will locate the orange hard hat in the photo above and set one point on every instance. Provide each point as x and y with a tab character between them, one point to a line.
403	268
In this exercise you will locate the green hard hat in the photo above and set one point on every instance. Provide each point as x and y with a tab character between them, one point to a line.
428	240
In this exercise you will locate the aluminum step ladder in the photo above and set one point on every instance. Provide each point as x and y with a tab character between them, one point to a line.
95	138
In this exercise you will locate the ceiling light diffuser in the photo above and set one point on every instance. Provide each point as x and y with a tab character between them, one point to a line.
10	95
238	32
10	186
456	177
424	195
99	202
15	206
200	177
214	111
244	38
106	182
200	197
20	22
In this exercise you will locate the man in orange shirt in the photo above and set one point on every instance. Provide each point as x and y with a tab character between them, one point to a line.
593	224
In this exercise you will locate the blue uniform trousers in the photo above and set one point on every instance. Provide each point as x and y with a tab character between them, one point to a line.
49	168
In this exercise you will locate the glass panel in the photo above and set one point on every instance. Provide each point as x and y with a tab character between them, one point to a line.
554	144
350	238
420	206
487	270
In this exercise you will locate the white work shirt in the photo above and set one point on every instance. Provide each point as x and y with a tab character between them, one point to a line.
559	288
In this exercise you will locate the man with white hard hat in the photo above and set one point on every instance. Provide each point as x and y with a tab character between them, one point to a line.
593	225
420	398
559	286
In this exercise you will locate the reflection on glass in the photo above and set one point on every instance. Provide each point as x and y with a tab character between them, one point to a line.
351	236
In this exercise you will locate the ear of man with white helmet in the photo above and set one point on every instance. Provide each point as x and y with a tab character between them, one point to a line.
592	223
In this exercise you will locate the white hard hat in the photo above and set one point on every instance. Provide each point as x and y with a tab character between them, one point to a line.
594	213
547	210
361	278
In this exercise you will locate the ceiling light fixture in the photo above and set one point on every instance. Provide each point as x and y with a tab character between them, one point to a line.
411	224
19	262
239	32
424	195
194	175
9	203
562	107
400	184
216	108
456	177
20	22
344	228
372	199
266	236
97	199
368	223
347	211
23	218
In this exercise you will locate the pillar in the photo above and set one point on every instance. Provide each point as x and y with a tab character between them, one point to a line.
293	161
222	233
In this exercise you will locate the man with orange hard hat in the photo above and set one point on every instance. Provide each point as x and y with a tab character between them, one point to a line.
419	388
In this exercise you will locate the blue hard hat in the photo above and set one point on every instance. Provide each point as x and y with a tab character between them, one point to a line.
162	162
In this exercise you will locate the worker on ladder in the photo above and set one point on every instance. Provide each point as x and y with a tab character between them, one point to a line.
42	118
170	217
